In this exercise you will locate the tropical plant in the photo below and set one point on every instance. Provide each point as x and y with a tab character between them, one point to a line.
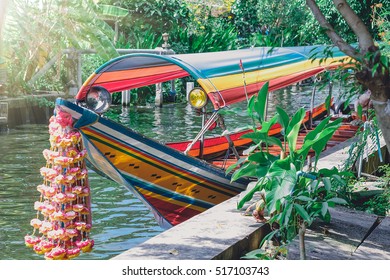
292	197
36	32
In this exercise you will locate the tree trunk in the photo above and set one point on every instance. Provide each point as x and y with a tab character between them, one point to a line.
302	248
382	111
379	83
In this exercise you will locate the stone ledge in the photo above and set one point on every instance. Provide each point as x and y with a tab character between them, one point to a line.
221	232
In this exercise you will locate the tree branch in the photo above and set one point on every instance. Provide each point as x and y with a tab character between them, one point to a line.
366	43
332	34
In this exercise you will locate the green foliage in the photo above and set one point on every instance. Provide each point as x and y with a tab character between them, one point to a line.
288	23
216	36
285	22
40	101
139	38
90	63
293	198
161	15
35	32
380	203
244	16
380	21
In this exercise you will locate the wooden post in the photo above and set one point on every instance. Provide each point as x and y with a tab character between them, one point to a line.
158	101
189	87
126	98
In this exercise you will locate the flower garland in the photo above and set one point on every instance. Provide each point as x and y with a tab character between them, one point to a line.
63	220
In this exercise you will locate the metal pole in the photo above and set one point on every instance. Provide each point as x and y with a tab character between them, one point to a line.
313	93
360	163
330	91
201	146
206	126
222	125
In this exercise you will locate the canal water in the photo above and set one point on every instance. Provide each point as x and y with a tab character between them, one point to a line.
120	221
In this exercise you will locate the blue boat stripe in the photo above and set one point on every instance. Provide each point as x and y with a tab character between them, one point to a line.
166	193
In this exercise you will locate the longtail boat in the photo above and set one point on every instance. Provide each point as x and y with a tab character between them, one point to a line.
180	180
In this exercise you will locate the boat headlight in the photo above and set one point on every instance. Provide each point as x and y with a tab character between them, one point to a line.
197	98
98	99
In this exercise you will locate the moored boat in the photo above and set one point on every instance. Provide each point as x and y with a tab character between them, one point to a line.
180	180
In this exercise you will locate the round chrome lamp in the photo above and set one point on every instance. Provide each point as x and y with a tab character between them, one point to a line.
197	98
98	99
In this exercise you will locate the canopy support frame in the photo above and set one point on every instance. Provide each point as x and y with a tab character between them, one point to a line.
204	129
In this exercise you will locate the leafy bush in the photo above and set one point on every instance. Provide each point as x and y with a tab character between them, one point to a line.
292	197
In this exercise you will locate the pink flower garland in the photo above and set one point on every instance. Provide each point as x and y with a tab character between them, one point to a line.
63	220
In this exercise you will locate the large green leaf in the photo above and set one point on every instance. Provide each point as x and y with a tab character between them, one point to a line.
263	158
261	137
251	106
282	177
112	12
261	102
327	183
337	200
312	134
320	144
250	170
293	129
324	209
267	125
318	138
286	214
249	194
258	254
302	212
233	166
284	119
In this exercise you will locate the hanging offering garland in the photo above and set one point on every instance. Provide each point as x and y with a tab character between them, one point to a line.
63	221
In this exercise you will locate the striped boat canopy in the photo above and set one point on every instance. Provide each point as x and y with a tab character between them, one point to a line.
227	77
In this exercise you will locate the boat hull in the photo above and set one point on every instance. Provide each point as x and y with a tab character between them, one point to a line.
173	185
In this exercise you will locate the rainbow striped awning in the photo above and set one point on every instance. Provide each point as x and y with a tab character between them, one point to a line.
227	77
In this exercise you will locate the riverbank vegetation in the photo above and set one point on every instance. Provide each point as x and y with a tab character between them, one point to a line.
48	34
